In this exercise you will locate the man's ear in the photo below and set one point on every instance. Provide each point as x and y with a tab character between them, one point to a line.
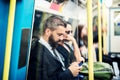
48	32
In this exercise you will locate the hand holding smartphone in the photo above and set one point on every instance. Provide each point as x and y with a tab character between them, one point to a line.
80	64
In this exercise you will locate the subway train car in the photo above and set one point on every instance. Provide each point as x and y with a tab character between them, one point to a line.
21	22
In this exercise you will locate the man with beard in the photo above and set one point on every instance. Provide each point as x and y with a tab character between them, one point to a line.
46	63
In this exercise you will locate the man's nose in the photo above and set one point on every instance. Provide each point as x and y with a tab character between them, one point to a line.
61	37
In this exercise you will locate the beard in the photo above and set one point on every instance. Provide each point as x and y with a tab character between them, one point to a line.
52	42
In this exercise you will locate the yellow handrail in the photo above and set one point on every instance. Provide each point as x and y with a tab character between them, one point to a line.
9	39
104	29
99	32
90	39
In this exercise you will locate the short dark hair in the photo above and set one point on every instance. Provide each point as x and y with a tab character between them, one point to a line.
68	23
53	22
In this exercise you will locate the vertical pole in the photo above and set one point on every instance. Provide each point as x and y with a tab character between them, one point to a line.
90	39
104	29
99	32
9	39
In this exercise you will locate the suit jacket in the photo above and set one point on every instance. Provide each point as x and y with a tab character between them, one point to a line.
69	56
44	66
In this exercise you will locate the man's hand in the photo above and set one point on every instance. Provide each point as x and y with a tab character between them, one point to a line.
75	68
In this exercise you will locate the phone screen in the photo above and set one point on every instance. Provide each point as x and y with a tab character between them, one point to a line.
80	63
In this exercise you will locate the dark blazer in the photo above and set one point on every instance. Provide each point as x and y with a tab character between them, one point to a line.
44	66
69	56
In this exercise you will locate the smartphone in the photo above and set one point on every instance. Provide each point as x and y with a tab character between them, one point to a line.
80	63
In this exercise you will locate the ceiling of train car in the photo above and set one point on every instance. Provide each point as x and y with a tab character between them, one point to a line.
82	3
115	3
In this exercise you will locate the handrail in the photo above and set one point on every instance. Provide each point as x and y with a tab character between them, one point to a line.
99	31
9	39
104	29
90	39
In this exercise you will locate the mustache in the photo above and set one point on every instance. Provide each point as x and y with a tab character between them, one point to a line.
60	41
64	40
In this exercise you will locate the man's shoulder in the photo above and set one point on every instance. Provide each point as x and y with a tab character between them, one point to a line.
37	45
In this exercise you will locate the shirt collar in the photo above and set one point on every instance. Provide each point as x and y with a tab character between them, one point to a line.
45	43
